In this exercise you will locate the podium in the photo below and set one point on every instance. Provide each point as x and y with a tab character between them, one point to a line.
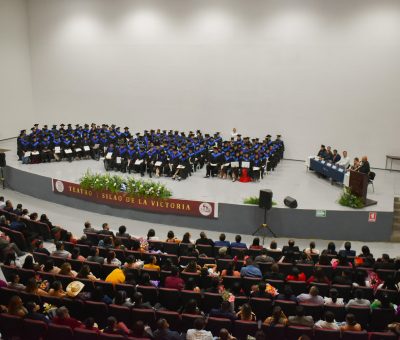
359	187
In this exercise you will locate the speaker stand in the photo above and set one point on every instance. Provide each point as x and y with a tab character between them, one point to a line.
264	228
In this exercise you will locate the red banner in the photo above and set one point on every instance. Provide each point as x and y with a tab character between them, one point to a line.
124	200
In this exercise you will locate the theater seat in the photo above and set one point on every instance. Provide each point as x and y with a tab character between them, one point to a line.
363	335
33	329
85	334
241	329
326	334
10	326
57	332
214	325
381	317
294	332
382	336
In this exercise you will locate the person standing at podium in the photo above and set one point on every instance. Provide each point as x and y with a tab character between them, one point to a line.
364	166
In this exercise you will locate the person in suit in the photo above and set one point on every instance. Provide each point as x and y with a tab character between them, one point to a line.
347	250
290	248
364	166
335	156
322	152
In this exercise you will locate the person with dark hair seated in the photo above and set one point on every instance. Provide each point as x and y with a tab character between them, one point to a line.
383	302
359	300
214	288
260	291
40	249
319	276
33	314
138	301
60	251
256	244
274	274
347	250
351	324
273	246
89	324
192	308
94	256
203	240
296	275
344	279
263	257
331	249
225	311
290	248
164	333
300	319
14	282
328	322
122	232
238	242
152	264
222	241
173	281
384	263
171	238
115	327
287	294
277	318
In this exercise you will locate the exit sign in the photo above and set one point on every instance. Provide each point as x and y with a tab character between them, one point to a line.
320	213
372	216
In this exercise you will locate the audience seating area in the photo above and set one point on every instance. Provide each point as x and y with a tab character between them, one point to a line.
170	303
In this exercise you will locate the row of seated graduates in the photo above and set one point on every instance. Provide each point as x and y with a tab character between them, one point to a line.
173	301
192	151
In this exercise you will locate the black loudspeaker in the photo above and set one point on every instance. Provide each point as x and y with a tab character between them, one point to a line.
290	202
265	199
2	160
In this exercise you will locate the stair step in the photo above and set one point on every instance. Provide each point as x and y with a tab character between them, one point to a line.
397	199
396	205
396	219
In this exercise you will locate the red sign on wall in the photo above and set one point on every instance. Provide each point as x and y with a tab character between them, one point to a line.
372	216
150	204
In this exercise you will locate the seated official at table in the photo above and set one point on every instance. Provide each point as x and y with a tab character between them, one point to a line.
335	156
329	154
344	161
322	152
364	165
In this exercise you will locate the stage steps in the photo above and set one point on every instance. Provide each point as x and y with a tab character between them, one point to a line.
396	221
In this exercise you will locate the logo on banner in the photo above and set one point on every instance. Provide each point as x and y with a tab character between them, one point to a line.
372	216
59	186
205	209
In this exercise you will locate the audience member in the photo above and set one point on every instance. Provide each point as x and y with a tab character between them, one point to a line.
351	324
277	318
164	333
203	240
328	322
60	251
300	319
250	270
222	241
63	318
312	297
198	332
238	242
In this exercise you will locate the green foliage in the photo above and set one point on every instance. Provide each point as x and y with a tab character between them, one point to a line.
347	199
115	183
255	200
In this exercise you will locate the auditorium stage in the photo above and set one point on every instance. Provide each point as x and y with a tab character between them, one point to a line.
289	179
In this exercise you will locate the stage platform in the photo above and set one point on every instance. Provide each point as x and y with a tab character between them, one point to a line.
289	179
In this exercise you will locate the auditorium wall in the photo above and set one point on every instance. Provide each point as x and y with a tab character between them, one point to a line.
15	73
316	71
